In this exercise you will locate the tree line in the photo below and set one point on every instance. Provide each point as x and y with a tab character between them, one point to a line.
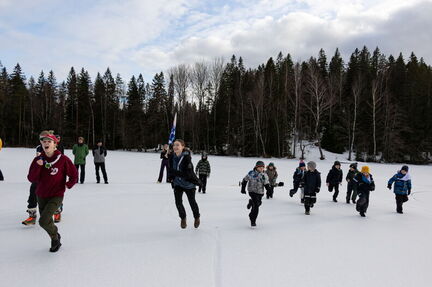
375	107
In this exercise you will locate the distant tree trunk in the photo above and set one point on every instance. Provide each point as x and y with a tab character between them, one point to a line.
356	91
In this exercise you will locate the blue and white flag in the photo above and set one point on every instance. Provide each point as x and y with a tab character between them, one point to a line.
173	131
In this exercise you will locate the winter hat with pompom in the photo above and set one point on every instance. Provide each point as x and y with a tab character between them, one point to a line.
365	169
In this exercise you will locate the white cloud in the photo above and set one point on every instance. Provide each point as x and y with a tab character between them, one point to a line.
146	37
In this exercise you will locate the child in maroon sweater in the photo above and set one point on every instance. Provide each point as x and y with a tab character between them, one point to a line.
49	171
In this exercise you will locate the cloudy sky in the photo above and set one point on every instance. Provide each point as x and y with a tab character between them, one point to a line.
143	36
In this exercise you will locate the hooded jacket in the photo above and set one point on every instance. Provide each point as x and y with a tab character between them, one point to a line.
402	183
256	181
334	177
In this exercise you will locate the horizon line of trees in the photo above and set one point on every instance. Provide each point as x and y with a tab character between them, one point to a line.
377	108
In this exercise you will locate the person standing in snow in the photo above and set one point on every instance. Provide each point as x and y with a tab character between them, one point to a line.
334	179
99	154
164	163
298	181
80	151
183	180
272	176
365	184
351	186
256	180
49	170
402	187
203	171
312	185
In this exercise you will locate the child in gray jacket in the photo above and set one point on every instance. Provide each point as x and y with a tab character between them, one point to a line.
256	180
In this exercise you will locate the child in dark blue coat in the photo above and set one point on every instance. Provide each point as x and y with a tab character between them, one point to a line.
402	187
365	184
298	180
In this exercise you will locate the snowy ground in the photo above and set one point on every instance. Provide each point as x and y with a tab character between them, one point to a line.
127	233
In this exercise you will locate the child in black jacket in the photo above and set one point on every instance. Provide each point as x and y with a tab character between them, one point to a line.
365	184
351	186
312	185
334	179
298	181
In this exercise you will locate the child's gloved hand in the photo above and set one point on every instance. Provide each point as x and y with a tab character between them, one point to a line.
409	192
389	186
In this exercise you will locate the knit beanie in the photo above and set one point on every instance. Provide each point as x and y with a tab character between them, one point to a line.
365	169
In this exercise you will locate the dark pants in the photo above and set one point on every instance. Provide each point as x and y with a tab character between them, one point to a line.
336	189
100	165
255	201
1	176
351	192
47	208
82	174
400	199
309	201
164	165
362	203
32	200
203	178
270	192
190	193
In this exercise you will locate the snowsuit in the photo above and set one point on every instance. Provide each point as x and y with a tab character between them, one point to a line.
203	171
51	186
334	178
312	185
99	154
364	186
298	182
183	180
164	164
401	189
272	176
256	182
351	186
80	151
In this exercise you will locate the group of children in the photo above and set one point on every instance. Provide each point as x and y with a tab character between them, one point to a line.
308	180
51	172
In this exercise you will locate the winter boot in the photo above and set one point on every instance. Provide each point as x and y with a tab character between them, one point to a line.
197	222
292	192
55	243
253	223
334	199
249	205
307	212
183	223
57	217
31	220
348	201
362	214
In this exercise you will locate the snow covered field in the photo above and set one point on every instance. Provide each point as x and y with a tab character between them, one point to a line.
127	233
